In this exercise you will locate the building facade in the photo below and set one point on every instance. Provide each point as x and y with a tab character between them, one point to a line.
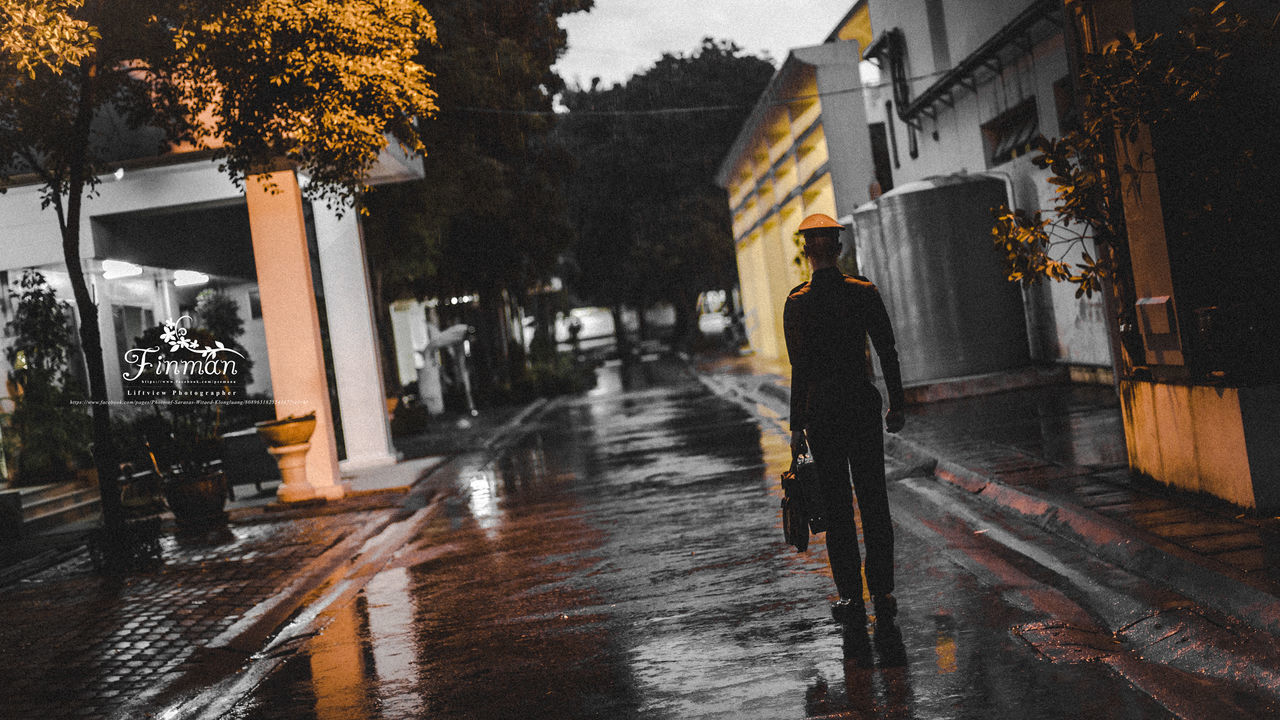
1199	387
159	230
899	94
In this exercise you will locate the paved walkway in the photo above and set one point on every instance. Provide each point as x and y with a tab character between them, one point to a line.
76	644
1056	454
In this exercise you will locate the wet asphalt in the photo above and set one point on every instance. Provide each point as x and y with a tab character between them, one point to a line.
624	558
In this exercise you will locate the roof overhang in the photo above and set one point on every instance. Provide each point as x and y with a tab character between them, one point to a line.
771	97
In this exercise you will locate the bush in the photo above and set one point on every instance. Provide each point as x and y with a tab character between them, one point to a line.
559	375
47	433
409	418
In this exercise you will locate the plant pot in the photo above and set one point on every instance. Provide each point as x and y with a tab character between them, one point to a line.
197	501
292	430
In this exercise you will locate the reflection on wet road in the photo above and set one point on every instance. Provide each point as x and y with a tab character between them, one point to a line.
625	559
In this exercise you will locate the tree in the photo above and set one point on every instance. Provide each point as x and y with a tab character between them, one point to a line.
488	218
651	223
1205	93
318	86
41	34
48	419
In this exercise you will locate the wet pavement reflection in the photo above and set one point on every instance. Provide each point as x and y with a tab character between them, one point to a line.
625	559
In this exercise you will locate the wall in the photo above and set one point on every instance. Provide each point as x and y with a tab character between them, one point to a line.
1215	440
804	150
1061	327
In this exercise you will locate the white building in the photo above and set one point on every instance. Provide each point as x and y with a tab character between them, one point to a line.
902	101
158	230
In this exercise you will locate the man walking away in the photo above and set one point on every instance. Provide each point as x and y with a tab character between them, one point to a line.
834	404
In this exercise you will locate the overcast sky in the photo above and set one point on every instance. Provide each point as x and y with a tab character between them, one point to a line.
618	38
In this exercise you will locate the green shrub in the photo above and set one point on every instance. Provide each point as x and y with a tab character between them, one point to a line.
48	431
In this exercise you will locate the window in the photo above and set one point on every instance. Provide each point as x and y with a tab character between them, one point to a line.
1064	101
130	323
880	155
1011	133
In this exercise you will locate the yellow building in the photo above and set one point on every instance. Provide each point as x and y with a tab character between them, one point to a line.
804	149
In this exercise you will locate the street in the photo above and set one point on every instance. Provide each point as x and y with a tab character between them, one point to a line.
624	558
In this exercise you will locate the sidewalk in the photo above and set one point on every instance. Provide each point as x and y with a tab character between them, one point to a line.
1055	454
76	644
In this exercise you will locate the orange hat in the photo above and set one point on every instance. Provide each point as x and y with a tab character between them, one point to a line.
818	221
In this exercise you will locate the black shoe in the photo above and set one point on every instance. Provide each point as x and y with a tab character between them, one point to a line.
889	645
886	607
849	611
856	646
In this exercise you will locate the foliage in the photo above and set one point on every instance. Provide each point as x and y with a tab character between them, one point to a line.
1178	85
488	219
48	427
651	223
174	439
321	83
488	215
42	34
553	376
219	314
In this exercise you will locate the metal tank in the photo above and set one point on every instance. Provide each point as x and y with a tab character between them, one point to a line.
927	245
866	239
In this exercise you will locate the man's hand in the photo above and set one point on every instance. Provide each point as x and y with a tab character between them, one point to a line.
894	420
798	445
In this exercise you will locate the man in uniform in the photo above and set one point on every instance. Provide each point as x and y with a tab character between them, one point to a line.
834	404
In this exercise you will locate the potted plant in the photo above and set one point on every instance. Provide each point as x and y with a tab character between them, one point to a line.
184	447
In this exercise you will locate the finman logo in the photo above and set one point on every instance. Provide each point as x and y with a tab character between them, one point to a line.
186	358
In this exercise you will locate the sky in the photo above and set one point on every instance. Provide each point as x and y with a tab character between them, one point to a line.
619	38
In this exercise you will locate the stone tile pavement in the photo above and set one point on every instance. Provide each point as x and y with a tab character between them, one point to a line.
78	644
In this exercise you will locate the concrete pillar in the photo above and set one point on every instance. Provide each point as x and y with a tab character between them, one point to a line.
101	290
353	338
407	338
290	317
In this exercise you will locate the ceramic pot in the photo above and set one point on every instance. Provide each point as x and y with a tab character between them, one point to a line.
197	501
292	430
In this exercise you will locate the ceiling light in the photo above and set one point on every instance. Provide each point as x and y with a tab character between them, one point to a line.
182	278
112	269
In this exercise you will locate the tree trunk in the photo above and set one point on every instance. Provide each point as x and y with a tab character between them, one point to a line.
104	452
543	347
620	332
386	338
686	327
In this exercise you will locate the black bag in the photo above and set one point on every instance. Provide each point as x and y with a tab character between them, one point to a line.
801	503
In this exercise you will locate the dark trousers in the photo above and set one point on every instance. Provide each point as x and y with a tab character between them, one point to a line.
855	446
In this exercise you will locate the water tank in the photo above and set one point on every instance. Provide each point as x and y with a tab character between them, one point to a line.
867	240
927	245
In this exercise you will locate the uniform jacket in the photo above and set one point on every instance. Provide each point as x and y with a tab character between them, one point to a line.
826	322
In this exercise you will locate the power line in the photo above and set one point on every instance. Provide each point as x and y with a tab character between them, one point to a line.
677	110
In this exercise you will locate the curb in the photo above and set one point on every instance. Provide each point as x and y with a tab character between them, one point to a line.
1212	584
516	420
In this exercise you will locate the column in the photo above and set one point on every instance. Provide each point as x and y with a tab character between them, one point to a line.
353	337
101	289
290	317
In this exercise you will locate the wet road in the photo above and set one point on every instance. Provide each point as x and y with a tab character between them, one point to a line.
625	559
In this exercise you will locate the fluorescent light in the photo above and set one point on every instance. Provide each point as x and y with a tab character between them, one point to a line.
112	269
189	277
